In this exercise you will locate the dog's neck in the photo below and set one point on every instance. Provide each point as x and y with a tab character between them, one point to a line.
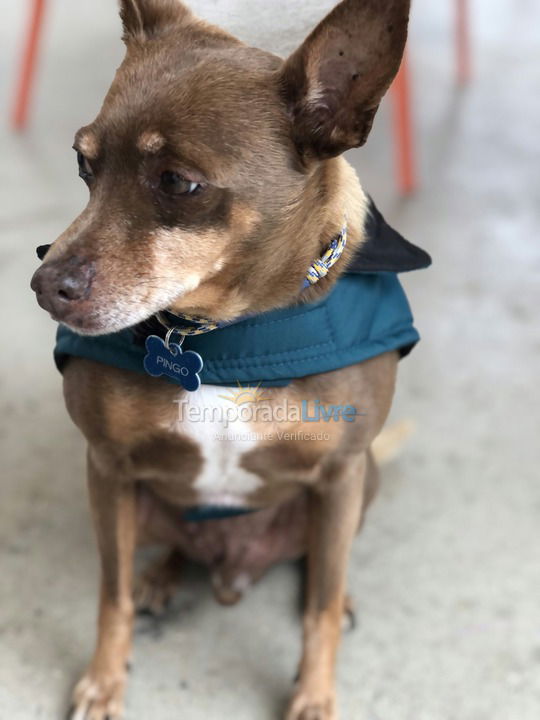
333	195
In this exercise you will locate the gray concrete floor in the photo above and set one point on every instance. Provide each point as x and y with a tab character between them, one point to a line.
446	573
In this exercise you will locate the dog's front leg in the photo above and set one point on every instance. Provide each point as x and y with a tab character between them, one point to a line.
99	693
335	512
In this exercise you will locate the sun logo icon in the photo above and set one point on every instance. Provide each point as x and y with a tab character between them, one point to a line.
244	395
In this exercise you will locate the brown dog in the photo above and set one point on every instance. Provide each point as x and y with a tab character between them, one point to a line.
215	181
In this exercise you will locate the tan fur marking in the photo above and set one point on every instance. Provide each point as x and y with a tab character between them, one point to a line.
150	142
87	143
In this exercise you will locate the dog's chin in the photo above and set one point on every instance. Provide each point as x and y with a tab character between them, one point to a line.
95	326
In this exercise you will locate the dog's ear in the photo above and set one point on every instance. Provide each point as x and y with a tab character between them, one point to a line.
334	82
143	19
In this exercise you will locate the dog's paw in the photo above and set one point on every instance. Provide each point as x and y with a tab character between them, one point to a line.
98	698
156	586
305	706
229	590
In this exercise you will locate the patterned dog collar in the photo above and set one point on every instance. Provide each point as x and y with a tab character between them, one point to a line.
321	267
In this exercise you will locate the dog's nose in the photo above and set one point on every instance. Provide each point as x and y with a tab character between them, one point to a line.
61	283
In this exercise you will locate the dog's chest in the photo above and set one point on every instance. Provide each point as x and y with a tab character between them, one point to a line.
215	424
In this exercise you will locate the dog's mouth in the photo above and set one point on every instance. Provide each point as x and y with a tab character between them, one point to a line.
107	317
111	317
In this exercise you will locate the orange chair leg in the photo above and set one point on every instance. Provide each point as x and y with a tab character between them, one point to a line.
403	130
463	43
28	66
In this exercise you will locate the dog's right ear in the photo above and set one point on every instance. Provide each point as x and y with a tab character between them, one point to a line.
144	19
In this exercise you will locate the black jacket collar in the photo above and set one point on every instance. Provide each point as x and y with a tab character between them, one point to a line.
385	250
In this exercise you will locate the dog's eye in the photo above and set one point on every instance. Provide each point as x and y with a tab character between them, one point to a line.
85	171
172	183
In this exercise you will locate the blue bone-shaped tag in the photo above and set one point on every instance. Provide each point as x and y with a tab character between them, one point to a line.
183	367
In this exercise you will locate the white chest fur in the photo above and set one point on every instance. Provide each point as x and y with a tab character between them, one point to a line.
212	422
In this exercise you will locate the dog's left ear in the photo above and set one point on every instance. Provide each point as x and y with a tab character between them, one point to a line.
334	82
143	19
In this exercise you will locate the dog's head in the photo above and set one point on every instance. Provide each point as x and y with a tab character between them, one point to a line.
210	164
